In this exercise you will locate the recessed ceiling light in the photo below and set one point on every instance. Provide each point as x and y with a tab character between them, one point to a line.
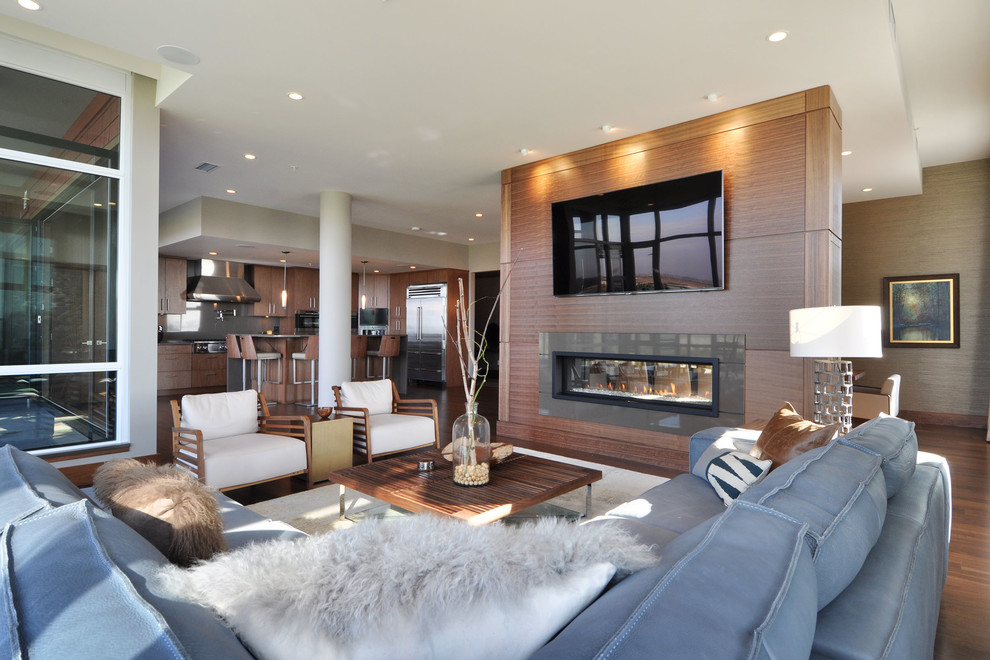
178	55
779	35
249	156
30	5
525	151
479	215
414	228
846	153
606	128
213	253
441	233
470	239
412	268
867	189
712	97
295	96
376	271
231	191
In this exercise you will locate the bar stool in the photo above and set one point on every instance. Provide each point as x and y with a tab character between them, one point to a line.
249	353
311	354
359	351
388	349
234	353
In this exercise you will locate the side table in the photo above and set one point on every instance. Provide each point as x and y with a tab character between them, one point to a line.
333	446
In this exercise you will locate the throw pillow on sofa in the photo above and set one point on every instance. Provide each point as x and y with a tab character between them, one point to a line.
165	505
416	587
787	435
733	472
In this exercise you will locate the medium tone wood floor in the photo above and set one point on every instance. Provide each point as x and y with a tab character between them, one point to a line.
963	630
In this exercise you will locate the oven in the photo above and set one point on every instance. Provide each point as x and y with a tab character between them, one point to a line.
210	346
307	322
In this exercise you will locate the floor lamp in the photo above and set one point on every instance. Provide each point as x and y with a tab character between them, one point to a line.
825	333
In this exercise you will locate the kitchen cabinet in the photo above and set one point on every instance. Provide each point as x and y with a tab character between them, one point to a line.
375	290
209	370
171	285
174	366
268	282
397	303
304	289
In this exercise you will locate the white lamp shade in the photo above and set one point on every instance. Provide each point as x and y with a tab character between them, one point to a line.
822	332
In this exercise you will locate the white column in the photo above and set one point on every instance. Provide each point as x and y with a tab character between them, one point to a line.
335	293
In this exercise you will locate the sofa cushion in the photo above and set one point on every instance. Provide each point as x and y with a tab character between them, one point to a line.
252	457
222	414
375	395
676	505
30	485
709	443
76	585
899	584
689	605
165	505
732	473
894	440
418	587
395	432
840	492
787	435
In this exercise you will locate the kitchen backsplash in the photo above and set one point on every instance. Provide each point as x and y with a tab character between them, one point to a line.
202	321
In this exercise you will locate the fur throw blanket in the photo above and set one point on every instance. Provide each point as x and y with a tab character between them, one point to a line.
395	587
166	505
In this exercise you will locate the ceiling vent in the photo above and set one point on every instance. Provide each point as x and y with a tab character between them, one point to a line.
206	167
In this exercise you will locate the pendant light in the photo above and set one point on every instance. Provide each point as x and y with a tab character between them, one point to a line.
285	291
364	284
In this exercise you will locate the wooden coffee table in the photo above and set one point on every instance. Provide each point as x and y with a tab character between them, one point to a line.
517	483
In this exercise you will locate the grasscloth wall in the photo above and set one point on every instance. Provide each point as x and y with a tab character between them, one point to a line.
946	229
780	160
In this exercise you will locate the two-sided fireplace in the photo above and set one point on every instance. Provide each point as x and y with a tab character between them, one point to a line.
675	384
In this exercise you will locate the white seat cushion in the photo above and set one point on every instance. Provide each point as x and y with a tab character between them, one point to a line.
251	457
222	414
394	432
375	395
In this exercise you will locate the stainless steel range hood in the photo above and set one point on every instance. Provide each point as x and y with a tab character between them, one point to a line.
219	281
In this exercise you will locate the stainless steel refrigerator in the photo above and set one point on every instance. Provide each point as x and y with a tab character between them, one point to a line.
426	308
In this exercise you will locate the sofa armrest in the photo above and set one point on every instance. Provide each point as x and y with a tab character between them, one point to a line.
724	437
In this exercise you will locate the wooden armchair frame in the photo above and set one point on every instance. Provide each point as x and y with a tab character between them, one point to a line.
362	419
187	444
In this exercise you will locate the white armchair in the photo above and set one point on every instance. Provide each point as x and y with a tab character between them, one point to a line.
870	402
229	440
384	423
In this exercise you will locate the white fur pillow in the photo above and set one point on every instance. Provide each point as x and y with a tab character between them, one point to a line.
418	587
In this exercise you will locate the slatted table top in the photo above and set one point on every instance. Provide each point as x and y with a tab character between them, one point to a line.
517	483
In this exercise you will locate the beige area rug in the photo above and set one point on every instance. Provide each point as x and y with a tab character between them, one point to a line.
317	511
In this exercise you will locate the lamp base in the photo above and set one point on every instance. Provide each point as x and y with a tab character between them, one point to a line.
833	393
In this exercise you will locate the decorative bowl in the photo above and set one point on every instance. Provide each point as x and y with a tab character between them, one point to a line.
324	413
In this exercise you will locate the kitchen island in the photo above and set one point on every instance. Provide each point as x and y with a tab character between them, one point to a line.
283	391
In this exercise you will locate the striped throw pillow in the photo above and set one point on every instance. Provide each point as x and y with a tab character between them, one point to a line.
732	473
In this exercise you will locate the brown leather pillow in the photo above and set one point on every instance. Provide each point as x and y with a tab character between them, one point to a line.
165	505
787	435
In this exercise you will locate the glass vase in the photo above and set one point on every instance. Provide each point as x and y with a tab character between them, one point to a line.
471	455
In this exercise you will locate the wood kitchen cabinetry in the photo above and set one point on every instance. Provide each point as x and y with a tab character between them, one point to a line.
171	285
174	366
268	282
209	370
304	289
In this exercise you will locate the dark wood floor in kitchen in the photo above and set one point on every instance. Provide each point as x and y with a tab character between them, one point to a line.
964	630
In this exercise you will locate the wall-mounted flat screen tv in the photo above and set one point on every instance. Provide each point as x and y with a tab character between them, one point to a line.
665	236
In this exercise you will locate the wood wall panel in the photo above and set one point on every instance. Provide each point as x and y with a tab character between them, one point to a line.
769	160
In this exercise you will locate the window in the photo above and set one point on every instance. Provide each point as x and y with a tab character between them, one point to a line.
59	225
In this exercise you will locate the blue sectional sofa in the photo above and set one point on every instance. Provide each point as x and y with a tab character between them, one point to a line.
839	553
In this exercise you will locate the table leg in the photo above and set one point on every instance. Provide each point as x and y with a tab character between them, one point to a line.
341	486
587	501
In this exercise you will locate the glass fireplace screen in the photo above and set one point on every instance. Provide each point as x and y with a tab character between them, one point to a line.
664	383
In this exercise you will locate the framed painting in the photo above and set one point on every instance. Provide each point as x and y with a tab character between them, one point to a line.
921	311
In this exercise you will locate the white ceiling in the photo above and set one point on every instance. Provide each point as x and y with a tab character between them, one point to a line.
415	106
